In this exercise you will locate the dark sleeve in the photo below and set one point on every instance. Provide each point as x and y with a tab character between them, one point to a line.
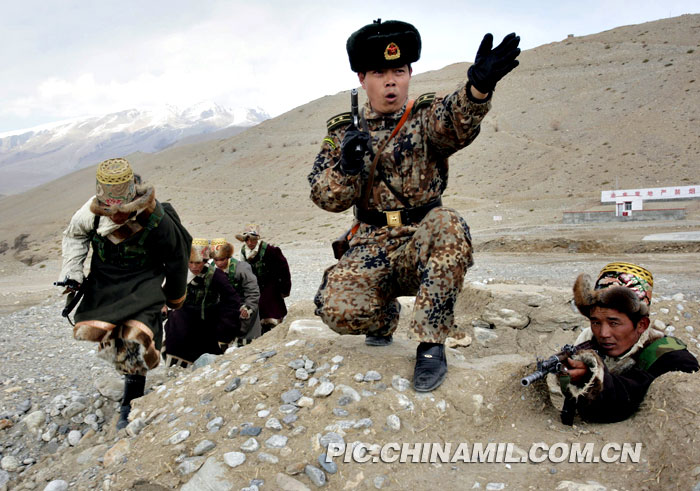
620	397
174	249
228	309
622	394
281	270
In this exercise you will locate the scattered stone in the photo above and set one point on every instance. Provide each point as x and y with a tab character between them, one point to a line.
379	482
215	424
273	424
287	483
74	437
393	422
484	336
291	396
505	318
34	421
363	423
358	377
404	402
267	354
250	445
10	463
324	390
267	458
179	437
135	427
305	402
250	431
399	383
331	437
276	441
234	459
328	466
340	412
316	475
203	447
301	374
294	469
190	465
289	419
372	376
57	485
337	359
464	341
233	385
495	486
659	324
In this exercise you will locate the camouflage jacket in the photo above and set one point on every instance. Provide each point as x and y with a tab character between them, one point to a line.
413	164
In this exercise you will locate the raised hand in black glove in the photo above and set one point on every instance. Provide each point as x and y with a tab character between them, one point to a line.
491	65
353	150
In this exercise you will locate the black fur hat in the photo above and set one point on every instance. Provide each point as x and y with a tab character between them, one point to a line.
382	45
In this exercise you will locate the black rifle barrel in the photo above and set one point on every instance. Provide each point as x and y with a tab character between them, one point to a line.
354	108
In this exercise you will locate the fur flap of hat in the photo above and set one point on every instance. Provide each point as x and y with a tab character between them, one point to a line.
614	297
623	299
145	200
584	294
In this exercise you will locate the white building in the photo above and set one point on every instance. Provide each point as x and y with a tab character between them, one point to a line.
628	200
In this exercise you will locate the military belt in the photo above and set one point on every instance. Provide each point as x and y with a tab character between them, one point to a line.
396	218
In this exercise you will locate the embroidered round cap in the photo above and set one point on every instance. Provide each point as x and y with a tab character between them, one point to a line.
115	182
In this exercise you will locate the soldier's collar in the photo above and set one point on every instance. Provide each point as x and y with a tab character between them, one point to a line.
370	114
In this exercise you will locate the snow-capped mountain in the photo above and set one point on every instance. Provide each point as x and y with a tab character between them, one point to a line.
37	155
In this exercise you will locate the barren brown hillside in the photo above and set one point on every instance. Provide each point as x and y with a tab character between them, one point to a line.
577	116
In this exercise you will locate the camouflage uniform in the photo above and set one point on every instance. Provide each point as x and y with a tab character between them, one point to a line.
427	259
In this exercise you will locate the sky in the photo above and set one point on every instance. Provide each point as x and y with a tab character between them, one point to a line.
66	59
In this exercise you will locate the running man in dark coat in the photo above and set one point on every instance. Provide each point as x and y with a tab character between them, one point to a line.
272	271
139	264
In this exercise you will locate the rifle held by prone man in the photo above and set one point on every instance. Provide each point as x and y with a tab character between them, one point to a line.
554	364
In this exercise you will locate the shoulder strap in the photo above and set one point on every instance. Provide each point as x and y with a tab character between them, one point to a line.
373	167
232	265
338	120
424	100
657	349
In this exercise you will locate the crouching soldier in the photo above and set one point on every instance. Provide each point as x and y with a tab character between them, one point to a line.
608	384
209	320
139	264
243	280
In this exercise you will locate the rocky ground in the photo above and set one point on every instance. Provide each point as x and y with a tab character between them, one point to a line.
262	416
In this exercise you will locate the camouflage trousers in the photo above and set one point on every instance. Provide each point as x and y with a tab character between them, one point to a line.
358	294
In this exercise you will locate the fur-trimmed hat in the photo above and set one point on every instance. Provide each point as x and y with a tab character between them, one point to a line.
220	249
621	286
380	45
252	229
200	250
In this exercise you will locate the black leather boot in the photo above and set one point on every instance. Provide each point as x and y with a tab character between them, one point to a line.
134	386
372	340
431	367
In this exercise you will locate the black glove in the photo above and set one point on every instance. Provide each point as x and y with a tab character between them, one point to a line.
353	150
491	65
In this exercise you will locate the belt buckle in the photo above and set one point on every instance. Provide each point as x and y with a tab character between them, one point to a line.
393	218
